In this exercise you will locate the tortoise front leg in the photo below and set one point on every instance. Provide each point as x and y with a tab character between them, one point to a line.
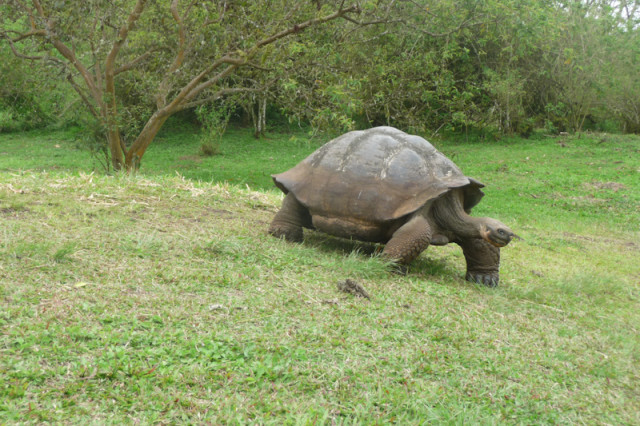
483	261
409	240
290	220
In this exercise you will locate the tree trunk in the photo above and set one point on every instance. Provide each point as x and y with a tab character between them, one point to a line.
258	113
115	147
144	139
129	159
263	115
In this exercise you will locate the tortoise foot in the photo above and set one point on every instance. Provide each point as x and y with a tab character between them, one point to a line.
400	269
291	234
490	280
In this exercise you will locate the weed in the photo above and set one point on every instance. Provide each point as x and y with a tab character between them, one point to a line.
62	254
214	121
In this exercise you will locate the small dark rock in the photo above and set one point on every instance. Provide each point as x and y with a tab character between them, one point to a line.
352	287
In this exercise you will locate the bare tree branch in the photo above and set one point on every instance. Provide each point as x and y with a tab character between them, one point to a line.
82	95
217	95
38	7
134	63
29	34
341	13
15	51
122	37
464	24
163	89
193	84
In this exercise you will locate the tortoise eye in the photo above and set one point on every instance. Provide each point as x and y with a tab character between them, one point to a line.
501	231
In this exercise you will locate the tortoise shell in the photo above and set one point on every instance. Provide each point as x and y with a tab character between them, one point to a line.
375	175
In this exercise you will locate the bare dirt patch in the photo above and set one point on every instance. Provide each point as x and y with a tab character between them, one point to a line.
612	186
612	241
185	160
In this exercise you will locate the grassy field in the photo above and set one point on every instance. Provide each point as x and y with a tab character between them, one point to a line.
159	297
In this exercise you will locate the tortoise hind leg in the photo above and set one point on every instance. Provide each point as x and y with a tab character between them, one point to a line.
483	261
290	220
408	241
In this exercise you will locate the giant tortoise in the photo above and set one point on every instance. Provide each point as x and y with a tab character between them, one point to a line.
386	186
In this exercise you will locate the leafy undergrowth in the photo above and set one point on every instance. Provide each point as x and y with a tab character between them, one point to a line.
163	300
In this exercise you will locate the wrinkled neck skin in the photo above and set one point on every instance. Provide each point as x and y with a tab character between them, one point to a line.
448	213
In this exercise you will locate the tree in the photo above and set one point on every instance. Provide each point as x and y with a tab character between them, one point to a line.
182	53
407	70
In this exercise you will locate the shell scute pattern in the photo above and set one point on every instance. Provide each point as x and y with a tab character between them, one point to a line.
374	175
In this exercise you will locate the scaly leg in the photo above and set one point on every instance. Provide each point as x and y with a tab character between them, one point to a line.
290	220
409	240
483	261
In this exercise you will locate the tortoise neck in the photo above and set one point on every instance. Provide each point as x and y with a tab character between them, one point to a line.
449	214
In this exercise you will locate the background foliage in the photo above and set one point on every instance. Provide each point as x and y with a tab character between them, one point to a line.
488	66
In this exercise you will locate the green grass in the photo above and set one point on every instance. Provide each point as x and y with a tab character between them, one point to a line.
244	160
159	298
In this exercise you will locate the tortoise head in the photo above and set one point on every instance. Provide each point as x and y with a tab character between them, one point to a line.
496	233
